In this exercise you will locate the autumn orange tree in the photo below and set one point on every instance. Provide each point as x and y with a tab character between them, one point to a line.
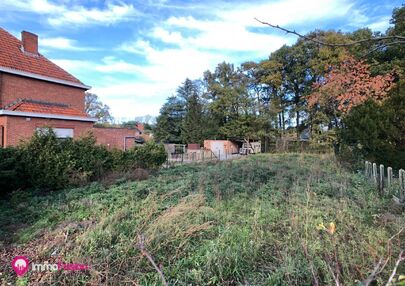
345	86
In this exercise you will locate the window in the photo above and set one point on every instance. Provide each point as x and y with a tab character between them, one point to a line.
60	132
63	132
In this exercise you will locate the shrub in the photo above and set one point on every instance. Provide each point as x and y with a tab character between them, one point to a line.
149	156
89	158
46	162
377	132
10	169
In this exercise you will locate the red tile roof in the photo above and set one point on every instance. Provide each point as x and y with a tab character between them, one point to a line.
12	56
27	105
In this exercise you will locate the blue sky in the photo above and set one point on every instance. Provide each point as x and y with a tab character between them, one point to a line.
135	53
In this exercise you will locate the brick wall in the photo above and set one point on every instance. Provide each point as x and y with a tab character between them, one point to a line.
13	87
3	123
1	88
115	137
21	128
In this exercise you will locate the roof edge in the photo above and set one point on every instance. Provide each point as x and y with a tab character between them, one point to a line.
45	78
46	115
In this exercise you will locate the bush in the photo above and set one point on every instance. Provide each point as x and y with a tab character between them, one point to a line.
149	156
89	158
376	132
10	169
46	162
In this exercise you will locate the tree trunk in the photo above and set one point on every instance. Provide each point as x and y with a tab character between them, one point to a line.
298	124
282	116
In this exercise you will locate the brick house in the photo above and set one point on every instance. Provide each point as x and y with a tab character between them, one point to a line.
35	92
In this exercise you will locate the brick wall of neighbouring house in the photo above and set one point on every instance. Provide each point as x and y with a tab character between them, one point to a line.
1	85
115	137
3	124
13	87
22	128
19	128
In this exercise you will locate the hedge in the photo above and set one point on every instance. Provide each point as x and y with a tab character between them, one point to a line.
48	163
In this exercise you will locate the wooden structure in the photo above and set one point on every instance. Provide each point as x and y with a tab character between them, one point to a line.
250	148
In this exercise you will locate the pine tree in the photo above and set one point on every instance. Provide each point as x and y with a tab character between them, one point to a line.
169	122
192	128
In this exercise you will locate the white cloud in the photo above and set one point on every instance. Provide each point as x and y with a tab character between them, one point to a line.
137	47
58	15
73	66
80	15
222	36
166	36
230	27
285	12
153	82
113	65
62	43
35	6
380	25
132	99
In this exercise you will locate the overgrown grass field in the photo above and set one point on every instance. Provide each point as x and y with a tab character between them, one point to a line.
284	219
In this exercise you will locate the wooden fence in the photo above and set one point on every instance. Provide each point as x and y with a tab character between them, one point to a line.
386	181
198	156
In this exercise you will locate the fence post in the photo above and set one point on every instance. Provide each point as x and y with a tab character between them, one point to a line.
375	173
381	180
402	185
182	157
219	154
389	176
366	169
202	154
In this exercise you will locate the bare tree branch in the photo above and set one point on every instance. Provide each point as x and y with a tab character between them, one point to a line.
335	277
400	259
400	38
398	233
379	266
383	45
377	269
141	247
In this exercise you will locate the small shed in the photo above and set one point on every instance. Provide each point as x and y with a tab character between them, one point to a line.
221	146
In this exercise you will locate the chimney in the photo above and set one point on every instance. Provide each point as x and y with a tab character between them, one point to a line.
30	42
